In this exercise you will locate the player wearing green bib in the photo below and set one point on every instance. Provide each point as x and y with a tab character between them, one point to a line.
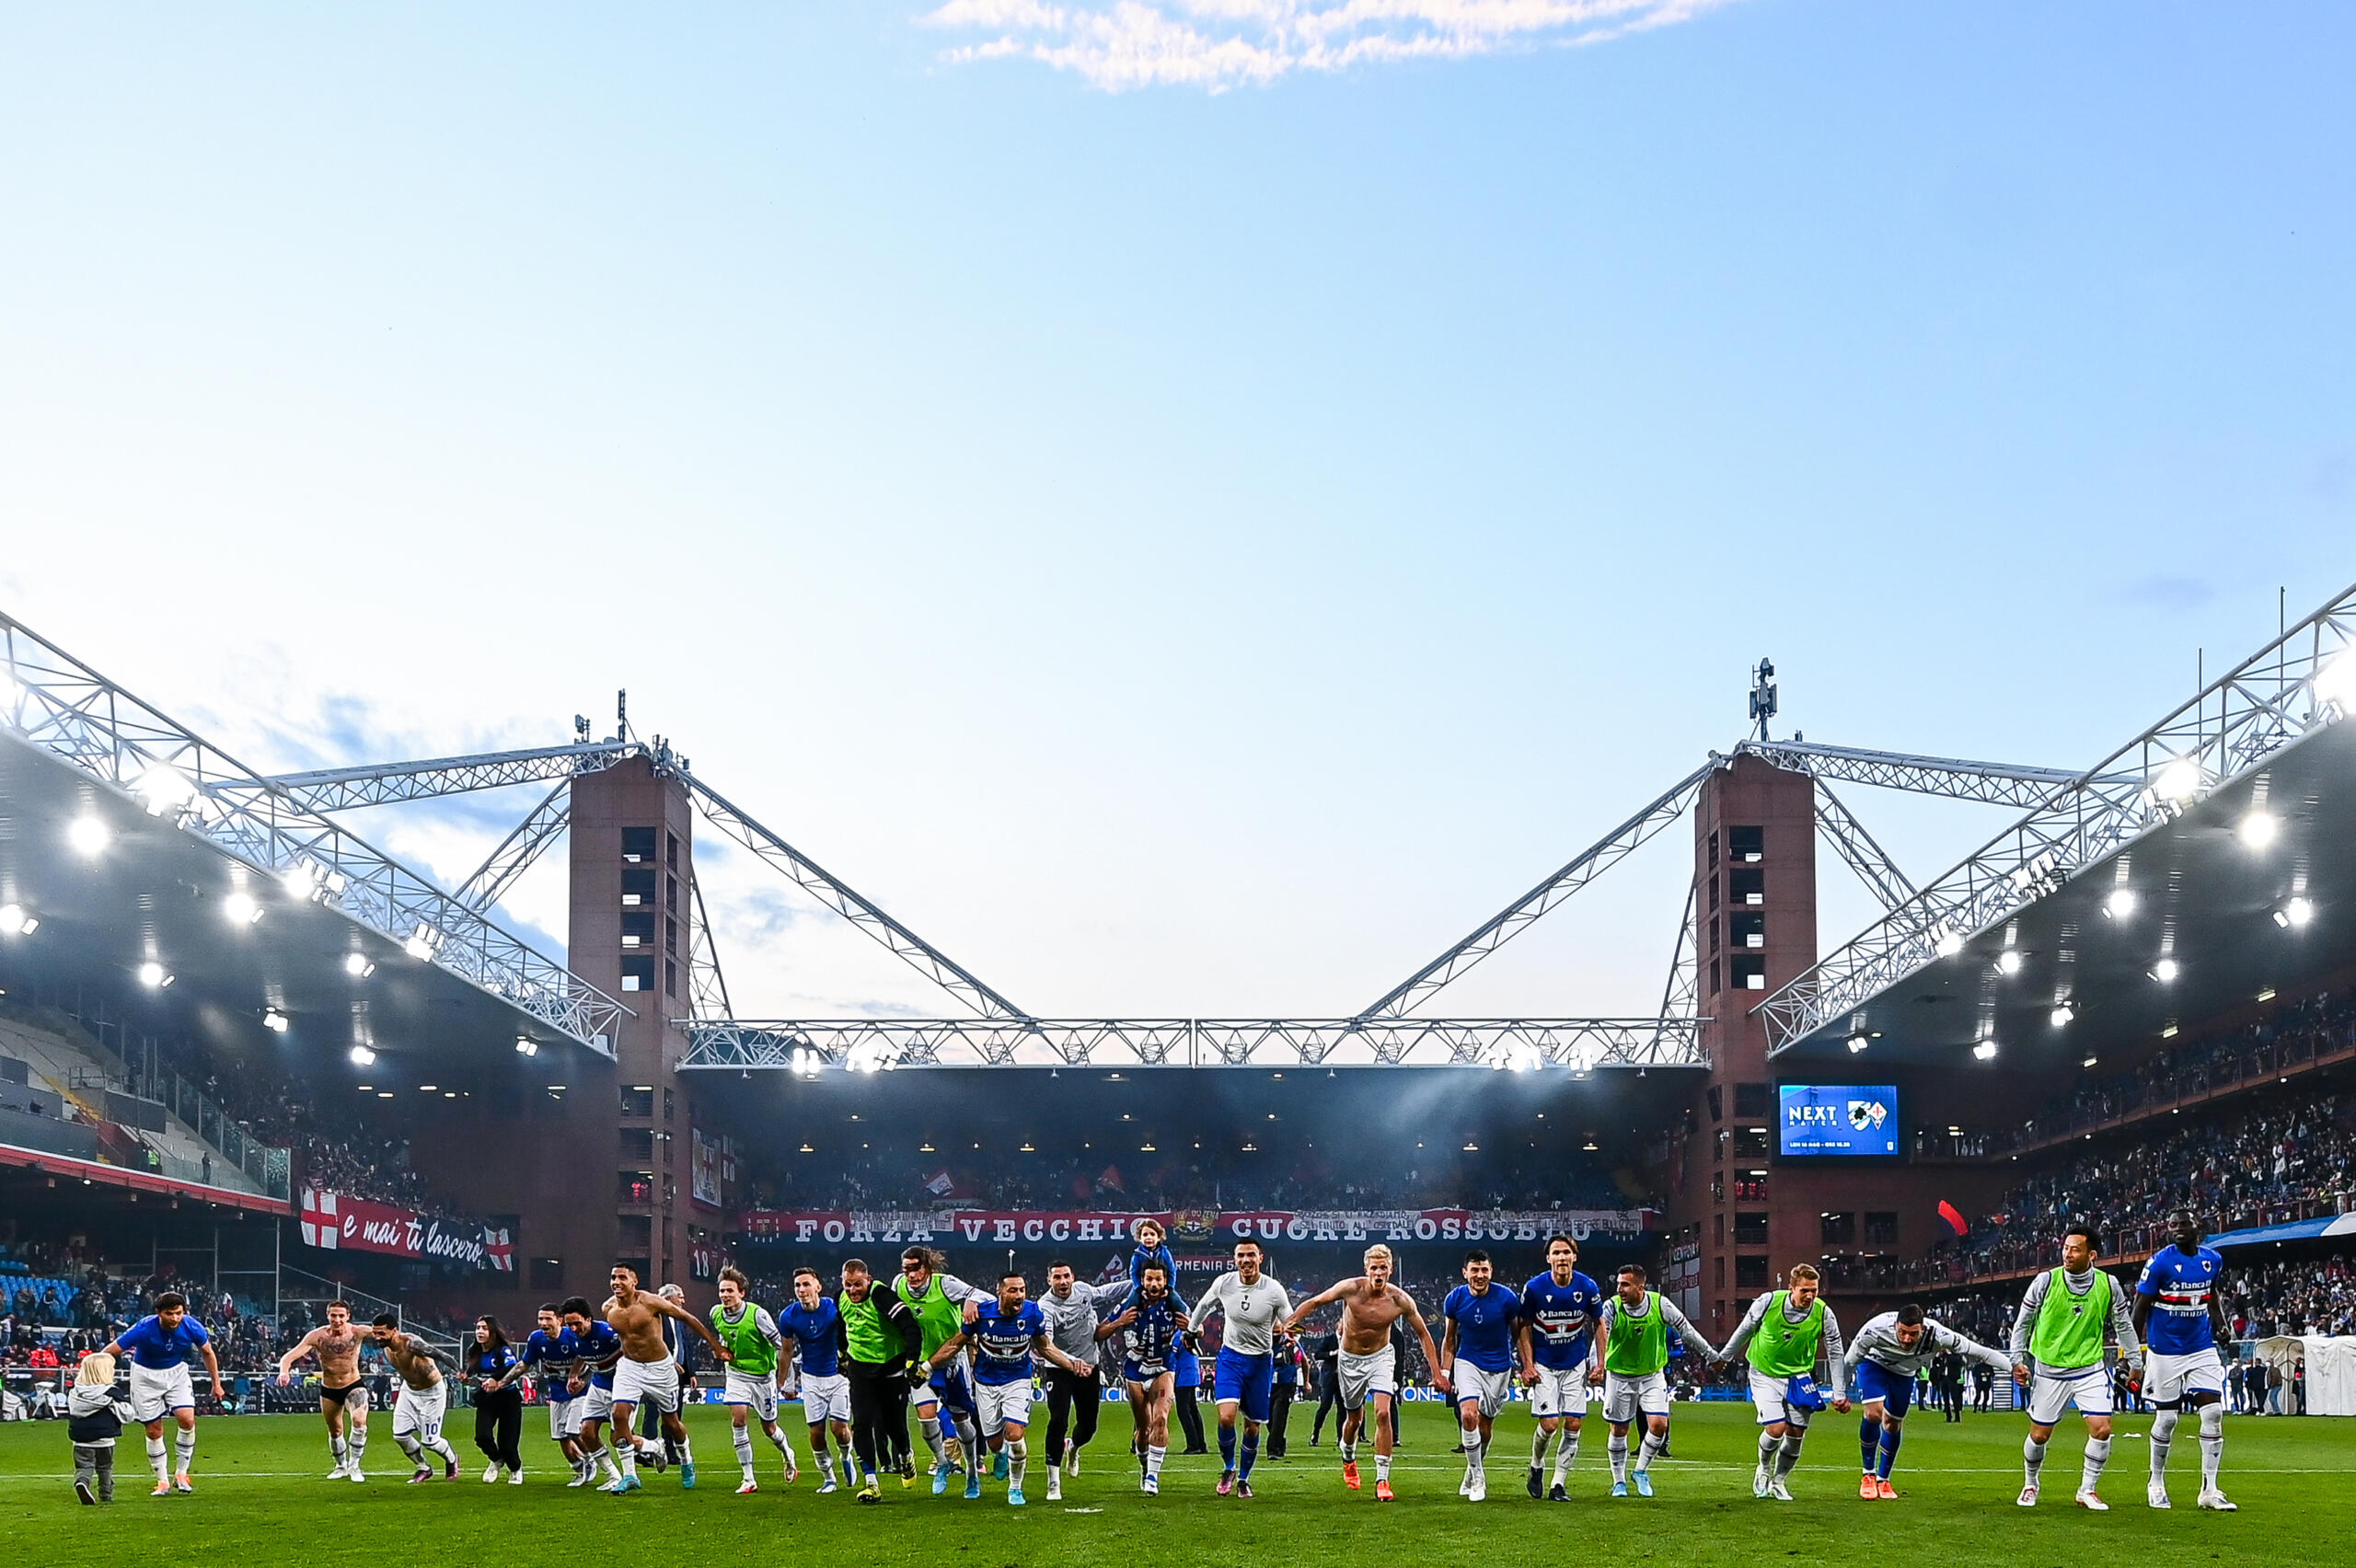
940	1300
1630	1357
2064	1321
1781	1336
752	1337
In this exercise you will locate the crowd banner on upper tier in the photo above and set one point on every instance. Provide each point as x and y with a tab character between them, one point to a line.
1044	1226
338	1222
703	1169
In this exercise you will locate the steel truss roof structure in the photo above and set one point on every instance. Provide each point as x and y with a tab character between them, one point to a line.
1581	1044
2231	728
64	708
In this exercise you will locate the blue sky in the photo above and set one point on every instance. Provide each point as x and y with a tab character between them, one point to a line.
1186	545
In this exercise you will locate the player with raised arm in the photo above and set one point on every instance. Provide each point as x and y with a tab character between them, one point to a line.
2062	1323
1073	1310
647	1374
161	1347
1884	1362
1784	1334
1631	1360
1005	1336
343	1398
1245	1375
945	1413
1365	1369
2179	1317
1148	1327
1559	1309
1482	1316
814	1323
424	1399
753	1338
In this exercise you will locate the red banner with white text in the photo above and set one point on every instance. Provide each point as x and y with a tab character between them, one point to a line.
339	1222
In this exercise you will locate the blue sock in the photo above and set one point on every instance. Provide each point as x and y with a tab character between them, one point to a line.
1869	1439
1889	1437
1250	1452
1227	1447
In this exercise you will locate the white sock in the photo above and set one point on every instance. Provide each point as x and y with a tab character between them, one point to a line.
1472	1449
409	1445
1790	1454
2162	1433
357	1445
442	1447
1153	1457
2097	1456
158	1456
336	1448
743	1451
783	1445
2032	1459
2213	1444
628	1460
1537	1448
687	1451
1618	1449
1382	1467
1645	1452
1563	1455
1349	1451
1768	1444
184	1448
930	1427
1018	1456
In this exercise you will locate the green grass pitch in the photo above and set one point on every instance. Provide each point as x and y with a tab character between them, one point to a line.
261	1498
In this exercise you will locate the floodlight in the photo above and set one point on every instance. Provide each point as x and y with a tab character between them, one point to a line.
1858	1042
154	976
362	1056
526	1047
2298	912
356	964
88	836
2178	781
2335	682
2259	829
2121	904
274	1020
164	789
421	943
2088	1062
1984	1052
2165	971
1949	944
2062	1013
14	921
2009	962
301	880
240	907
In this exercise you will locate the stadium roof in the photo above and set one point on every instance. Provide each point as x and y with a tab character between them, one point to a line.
158	894
2181	924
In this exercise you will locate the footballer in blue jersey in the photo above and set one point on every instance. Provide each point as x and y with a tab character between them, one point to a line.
596	1347
1482	1316
545	1360
1559	1311
2180	1319
1004	1336
160	1347
1148	1327
813	1327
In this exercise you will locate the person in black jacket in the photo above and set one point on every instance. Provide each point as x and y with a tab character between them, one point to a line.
882	1348
1324	1354
499	1409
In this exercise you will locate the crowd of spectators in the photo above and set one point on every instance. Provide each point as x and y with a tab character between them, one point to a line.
2242	1163
1074	1176
2292	1034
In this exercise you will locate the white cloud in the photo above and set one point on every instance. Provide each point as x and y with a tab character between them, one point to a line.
1219	44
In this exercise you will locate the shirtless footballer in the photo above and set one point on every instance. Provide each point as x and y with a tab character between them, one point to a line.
425	1398
1370	1305
646	1373
343	1398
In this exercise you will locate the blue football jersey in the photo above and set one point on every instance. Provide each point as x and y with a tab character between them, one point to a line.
1484	1325
548	1363
599	1345
1562	1318
812	1329
2182	1286
1002	1343
158	1348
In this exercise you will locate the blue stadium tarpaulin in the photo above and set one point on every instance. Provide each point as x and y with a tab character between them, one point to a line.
2296	1230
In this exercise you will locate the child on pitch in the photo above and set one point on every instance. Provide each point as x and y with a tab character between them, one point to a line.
94	1419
